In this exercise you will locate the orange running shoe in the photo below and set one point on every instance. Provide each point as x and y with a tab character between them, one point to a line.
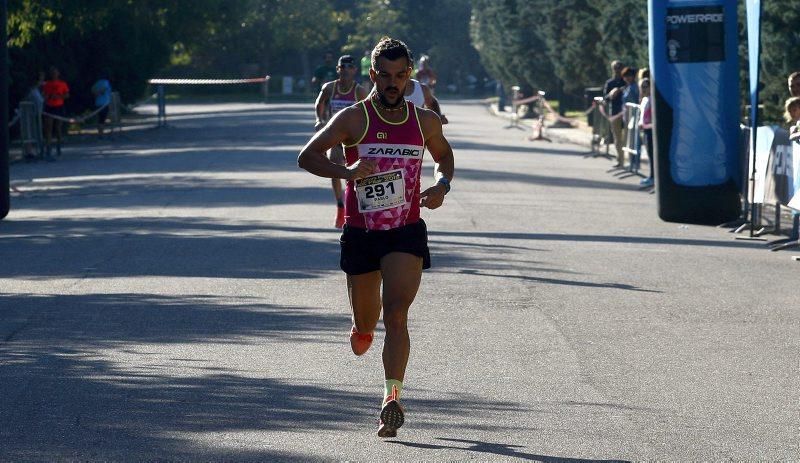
392	417
339	223
360	342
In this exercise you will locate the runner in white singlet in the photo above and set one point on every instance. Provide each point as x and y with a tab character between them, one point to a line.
421	96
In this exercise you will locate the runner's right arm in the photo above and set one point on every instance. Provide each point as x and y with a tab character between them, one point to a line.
345	127
321	107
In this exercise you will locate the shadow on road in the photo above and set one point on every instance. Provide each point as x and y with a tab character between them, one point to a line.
555	281
115	376
188	247
549	180
491	148
498	450
595	238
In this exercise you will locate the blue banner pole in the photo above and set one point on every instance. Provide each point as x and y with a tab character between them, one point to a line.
694	69
753	57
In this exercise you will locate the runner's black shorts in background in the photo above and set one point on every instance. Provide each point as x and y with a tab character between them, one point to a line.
362	250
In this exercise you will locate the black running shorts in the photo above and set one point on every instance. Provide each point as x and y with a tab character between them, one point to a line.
362	250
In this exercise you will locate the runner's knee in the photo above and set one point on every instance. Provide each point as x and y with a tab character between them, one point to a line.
395	316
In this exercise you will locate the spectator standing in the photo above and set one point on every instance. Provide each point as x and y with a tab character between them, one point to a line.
35	96
325	72
646	124
794	83
630	93
366	64
644	73
792	116
55	92
102	99
612	92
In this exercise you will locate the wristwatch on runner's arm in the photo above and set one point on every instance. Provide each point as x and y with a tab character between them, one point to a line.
443	180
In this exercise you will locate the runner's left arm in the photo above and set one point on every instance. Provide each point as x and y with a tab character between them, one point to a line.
432	103
442	153
361	92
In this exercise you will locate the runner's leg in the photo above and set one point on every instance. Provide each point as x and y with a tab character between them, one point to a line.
48	130
402	273
48	137
364	292
58	126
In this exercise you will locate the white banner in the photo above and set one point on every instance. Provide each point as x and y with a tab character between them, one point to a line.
794	203
764	139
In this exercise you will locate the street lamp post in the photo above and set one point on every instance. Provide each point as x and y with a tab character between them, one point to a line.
5	199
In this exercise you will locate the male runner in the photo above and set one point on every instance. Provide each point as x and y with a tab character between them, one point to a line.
426	74
384	240
421	96
334	97
325	72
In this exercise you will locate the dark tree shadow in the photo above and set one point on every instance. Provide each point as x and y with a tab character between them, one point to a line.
498	450
497	177
63	400
162	247
592	238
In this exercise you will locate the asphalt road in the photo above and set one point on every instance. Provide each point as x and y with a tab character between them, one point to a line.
174	294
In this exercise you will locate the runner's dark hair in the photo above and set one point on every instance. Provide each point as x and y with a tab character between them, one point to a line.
391	49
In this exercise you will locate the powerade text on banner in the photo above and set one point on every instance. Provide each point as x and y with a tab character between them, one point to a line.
694	69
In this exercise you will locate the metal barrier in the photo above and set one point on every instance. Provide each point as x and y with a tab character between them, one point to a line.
30	127
115	112
514	103
633	142
601	129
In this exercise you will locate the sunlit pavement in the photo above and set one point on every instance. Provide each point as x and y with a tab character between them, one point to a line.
174	294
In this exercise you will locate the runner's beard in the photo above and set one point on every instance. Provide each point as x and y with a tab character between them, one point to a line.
385	103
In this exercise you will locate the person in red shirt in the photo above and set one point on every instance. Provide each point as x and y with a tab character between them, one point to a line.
55	91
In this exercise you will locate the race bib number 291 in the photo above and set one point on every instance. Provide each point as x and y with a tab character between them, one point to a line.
380	191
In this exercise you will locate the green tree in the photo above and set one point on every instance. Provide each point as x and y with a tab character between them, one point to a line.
129	40
375	19
780	40
624	29
574	43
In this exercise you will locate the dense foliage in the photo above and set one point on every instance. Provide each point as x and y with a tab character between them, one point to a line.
544	44
133	40
560	46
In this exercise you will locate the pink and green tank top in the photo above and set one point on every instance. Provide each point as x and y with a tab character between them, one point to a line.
339	100
389	198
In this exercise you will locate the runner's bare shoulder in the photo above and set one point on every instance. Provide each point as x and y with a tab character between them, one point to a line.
429	121
351	121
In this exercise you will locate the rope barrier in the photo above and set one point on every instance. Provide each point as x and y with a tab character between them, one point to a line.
610	118
550	109
15	120
207	81
75	120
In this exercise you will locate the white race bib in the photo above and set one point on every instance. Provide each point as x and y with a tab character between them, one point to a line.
381	191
